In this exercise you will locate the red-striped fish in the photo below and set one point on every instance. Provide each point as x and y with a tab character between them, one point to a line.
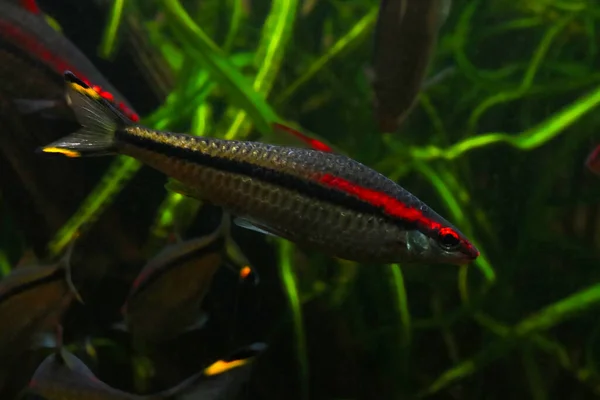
23	29
317	199
33	57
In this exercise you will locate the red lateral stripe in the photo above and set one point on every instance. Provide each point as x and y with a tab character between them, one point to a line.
390	205
395	208
32	45
31	6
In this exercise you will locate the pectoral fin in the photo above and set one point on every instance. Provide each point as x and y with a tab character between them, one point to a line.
247	224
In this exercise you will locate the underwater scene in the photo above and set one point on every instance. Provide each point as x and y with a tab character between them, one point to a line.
299	199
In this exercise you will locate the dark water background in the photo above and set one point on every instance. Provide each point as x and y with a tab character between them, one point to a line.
521	324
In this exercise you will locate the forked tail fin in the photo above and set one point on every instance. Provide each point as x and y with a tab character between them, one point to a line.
221	380
99	121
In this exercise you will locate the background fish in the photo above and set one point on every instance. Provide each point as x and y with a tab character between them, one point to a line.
314	198
32	301
63	376
166	296
33	56
41	199
405	40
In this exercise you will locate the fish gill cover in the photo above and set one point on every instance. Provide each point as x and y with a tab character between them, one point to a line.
498	140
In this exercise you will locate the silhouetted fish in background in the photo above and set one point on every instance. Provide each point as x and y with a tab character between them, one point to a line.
40	198
405	40
33	57
63	376
166	296
33	299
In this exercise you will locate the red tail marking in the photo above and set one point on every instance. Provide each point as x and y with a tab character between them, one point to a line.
108	96
314	143
121	106
31	6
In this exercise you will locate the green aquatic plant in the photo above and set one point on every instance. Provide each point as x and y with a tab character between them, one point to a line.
526	301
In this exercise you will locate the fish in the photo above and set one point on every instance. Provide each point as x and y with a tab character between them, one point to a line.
406	35
33	57
63	376
23	29
593	161
323	200
165	298
32	301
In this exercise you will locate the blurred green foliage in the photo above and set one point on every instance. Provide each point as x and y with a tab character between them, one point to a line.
497	147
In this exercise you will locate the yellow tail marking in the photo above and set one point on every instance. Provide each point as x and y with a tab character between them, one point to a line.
221	366
86	91
66	152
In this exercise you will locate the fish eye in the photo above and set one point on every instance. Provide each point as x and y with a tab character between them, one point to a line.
448	239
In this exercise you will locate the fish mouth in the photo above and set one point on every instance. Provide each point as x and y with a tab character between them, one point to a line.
470	253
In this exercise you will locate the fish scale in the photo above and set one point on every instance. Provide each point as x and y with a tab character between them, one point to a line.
322	225
319	199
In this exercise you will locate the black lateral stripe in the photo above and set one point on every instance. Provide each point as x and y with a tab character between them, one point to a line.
59	274
212	247
268	175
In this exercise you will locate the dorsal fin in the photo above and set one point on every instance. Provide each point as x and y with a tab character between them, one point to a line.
313	143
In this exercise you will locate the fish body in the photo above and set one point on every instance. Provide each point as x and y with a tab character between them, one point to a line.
405	39
32	301
166	296
317	199
63	376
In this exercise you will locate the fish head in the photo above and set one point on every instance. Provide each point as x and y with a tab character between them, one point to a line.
442	245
